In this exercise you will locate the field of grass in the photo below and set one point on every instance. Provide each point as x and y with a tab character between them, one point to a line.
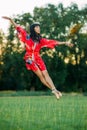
43	112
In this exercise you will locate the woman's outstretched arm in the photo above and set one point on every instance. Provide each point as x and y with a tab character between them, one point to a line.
52	43
20	31
11	20
66	43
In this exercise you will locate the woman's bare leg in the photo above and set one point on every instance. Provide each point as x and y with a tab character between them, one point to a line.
41	77
46	80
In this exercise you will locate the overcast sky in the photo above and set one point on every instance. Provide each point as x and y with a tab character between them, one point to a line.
14	7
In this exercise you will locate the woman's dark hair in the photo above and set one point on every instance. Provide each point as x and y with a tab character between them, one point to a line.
35	37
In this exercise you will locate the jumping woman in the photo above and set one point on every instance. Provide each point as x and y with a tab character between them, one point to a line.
33	44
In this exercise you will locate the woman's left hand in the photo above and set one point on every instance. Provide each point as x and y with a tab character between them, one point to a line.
69	44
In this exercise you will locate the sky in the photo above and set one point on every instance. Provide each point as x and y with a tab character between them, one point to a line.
14	7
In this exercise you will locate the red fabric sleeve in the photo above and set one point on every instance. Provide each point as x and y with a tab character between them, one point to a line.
21	33
48	43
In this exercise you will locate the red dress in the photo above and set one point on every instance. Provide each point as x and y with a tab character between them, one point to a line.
32	55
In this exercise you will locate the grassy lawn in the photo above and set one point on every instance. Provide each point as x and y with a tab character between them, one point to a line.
43	112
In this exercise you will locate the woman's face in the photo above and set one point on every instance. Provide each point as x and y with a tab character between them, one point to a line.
37	29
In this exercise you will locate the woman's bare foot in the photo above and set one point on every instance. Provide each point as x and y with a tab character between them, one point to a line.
57	93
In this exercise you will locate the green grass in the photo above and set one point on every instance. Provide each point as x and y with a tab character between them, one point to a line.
43	113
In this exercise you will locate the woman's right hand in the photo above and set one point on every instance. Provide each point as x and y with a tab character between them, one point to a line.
11	20
5	17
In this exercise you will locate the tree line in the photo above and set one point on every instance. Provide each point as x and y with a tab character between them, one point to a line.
66	66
